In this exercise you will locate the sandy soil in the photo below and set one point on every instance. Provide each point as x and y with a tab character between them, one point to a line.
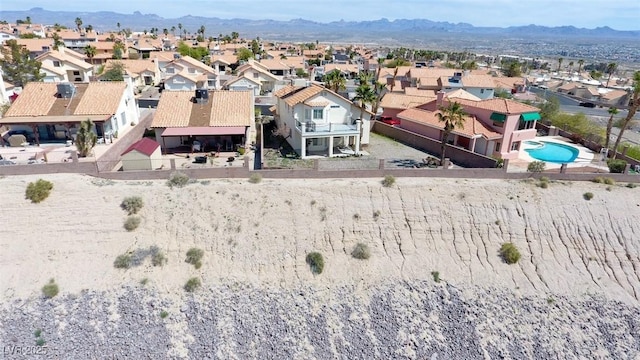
258	235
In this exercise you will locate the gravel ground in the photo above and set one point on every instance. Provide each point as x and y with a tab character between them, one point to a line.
410	320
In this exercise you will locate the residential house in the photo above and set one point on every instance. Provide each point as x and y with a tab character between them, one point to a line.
319	122
36	47
53	111
218	120
481	86
65	65
243	83
144	46
142	72
75	40
393	103
349	71
493	127
224	63
6	34
614	97
278	67
185	73
257	72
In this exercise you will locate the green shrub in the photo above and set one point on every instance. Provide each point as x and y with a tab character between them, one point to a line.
509	253
543	184
132	223
598	180
40	342
616	165
388	181
536	166
163	314
631	185
178	179
122	261
436	276
609	181
544	179
132	204
158	259
38	191
316	262
361	251
255	178
192	284
144	281
194	257
50	290
587	196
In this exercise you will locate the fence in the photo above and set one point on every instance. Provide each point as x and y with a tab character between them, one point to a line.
457	155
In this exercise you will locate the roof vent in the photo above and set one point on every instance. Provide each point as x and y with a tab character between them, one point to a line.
66	90
202	96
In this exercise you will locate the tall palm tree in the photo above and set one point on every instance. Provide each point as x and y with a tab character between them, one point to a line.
612	111
364	95
165	31
78	22
180	28
453	117
611	68
89	28
633	108
173	31
379	89
570	66
580	63
118	25
201	30
365	77
560	60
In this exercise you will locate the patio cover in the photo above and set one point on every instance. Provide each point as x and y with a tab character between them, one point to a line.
204	130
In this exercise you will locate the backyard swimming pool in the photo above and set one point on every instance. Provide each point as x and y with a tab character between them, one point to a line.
552	152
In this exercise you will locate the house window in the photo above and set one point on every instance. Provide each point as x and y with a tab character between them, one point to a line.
317	114
76	73
255	75
498	124
481	91
498	146
170	70
524	125
192	71
56	63
515	146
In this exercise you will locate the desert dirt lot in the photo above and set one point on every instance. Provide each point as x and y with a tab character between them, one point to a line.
255	280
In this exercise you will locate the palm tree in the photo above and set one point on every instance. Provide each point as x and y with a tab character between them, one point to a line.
90	51
89	28
365	77
180	28
633	108
78	22
379	89
201	30
580	63
570	66
173	31
335	81
560	60
165	31
611	68
118	25
453	117
364	95
612	111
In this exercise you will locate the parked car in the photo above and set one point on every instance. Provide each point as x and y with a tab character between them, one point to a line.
587	104
389	120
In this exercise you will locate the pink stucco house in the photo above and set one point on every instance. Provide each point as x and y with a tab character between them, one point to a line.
493	127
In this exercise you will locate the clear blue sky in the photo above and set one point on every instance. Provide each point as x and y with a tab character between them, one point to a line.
618	14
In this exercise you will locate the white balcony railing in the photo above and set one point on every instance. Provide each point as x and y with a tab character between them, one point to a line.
312	127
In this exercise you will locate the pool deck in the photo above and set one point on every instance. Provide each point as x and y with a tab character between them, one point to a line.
586	157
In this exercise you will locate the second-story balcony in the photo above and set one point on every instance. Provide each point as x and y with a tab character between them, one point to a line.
313	129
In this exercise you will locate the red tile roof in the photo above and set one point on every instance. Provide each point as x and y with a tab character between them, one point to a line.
144	145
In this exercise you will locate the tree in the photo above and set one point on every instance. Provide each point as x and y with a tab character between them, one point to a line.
244	54
611	68
28	20
85	138
57	41
595	74
89	28
612	111
580	64
17	66
118	50
335	81
560	60
115	72
379	88
453	117
550	108
255	47
234	36
78	22
165	31
173	31
90	51
364	95
633	108
514	69
180	27
118	25
301	73
570	66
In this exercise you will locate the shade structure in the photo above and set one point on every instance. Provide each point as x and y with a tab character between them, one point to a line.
204	130
530	116
498	117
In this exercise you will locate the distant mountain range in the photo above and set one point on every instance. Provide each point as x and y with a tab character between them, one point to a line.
300	29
